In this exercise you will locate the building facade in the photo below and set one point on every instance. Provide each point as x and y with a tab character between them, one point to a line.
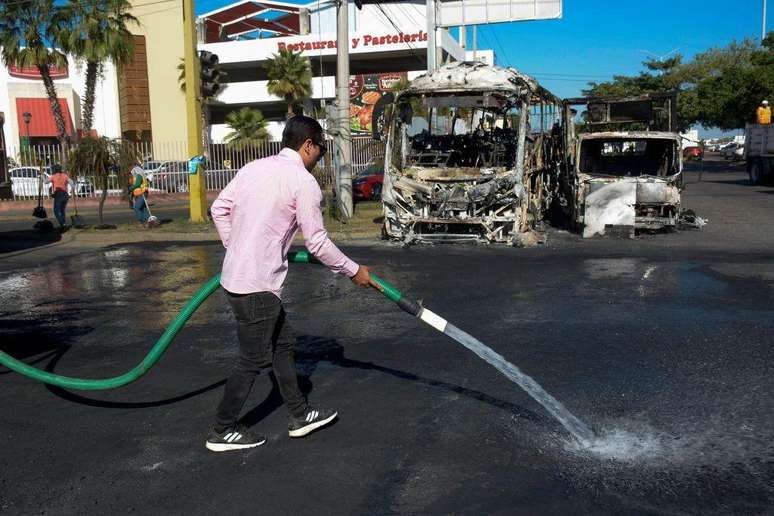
21	90
387	43
144	101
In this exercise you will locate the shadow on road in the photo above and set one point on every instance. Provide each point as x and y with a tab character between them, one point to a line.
310	351
12	241
742	182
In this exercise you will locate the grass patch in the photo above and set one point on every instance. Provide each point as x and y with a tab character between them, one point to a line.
366	221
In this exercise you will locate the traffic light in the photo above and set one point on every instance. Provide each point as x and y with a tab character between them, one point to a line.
209	74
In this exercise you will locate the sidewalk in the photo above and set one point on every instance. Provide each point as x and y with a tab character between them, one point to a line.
22	208
19	248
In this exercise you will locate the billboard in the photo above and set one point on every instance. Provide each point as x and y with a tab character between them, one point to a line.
452	13
364	92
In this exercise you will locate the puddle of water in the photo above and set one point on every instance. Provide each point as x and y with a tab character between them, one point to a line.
611	268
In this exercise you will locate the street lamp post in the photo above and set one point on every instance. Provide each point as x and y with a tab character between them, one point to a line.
27	117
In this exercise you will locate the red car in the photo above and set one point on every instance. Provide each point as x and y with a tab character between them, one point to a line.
690	153
367	184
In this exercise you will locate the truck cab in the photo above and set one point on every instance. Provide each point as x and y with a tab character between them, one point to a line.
624	164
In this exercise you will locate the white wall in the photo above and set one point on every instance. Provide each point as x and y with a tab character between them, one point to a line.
107	120
407	17
485	56
218	132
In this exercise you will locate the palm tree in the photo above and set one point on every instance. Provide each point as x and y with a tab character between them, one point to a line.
290	77
248	129
207	101
25	28
95	31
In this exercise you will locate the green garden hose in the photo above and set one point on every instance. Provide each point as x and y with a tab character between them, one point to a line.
158	349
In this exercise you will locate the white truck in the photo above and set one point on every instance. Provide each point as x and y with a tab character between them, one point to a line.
759	152
624	167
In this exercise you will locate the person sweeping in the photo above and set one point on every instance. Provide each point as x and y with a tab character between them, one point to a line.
257	216
59	183
138	195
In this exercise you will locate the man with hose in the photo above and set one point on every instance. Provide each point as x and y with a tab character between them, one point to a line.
257	216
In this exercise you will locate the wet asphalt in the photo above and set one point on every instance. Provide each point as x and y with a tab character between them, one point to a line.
662	344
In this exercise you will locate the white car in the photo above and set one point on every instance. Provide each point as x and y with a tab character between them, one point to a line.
25	183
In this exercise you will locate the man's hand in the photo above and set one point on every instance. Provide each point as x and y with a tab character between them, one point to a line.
363	278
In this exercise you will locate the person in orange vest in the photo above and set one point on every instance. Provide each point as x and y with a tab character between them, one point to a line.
763	113
138	193
59	182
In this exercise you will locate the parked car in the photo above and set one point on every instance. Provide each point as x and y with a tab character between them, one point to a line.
367	184
730	151
25	181
170	176
693	152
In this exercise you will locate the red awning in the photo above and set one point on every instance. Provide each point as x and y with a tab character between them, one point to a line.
242	18
42	121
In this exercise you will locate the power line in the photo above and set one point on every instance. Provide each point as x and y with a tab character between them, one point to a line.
499	45
400	31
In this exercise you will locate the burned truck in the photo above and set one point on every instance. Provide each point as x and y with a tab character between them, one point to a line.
472	152
624	164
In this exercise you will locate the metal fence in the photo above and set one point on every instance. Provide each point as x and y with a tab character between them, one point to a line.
166	166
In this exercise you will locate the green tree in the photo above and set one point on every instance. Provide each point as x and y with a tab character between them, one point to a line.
659	76
25	28
728	97
101	158
94	32
248	128
719	87
290	78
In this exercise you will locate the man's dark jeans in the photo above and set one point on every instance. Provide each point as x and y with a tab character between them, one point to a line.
264	341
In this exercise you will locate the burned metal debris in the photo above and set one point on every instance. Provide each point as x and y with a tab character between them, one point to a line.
471	154
478	152
625	170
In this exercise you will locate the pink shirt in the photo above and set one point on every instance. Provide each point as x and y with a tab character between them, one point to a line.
257	216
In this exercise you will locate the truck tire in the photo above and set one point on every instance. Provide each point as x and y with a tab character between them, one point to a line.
756	172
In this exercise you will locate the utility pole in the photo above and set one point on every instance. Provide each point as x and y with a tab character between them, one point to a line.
763	22
475	43
344	147
431	45
197	184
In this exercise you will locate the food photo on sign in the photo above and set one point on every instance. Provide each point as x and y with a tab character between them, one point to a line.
364	92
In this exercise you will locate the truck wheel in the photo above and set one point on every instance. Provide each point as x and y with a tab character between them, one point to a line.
756	173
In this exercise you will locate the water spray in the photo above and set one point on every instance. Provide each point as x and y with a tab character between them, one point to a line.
573	425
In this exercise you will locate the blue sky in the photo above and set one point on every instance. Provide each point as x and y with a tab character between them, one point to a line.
598	38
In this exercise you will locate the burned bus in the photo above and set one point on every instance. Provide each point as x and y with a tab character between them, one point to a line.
624	163
472	152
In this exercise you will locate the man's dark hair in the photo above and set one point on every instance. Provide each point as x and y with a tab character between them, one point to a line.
299	129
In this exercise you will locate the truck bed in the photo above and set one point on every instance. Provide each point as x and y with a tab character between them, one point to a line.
759	141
